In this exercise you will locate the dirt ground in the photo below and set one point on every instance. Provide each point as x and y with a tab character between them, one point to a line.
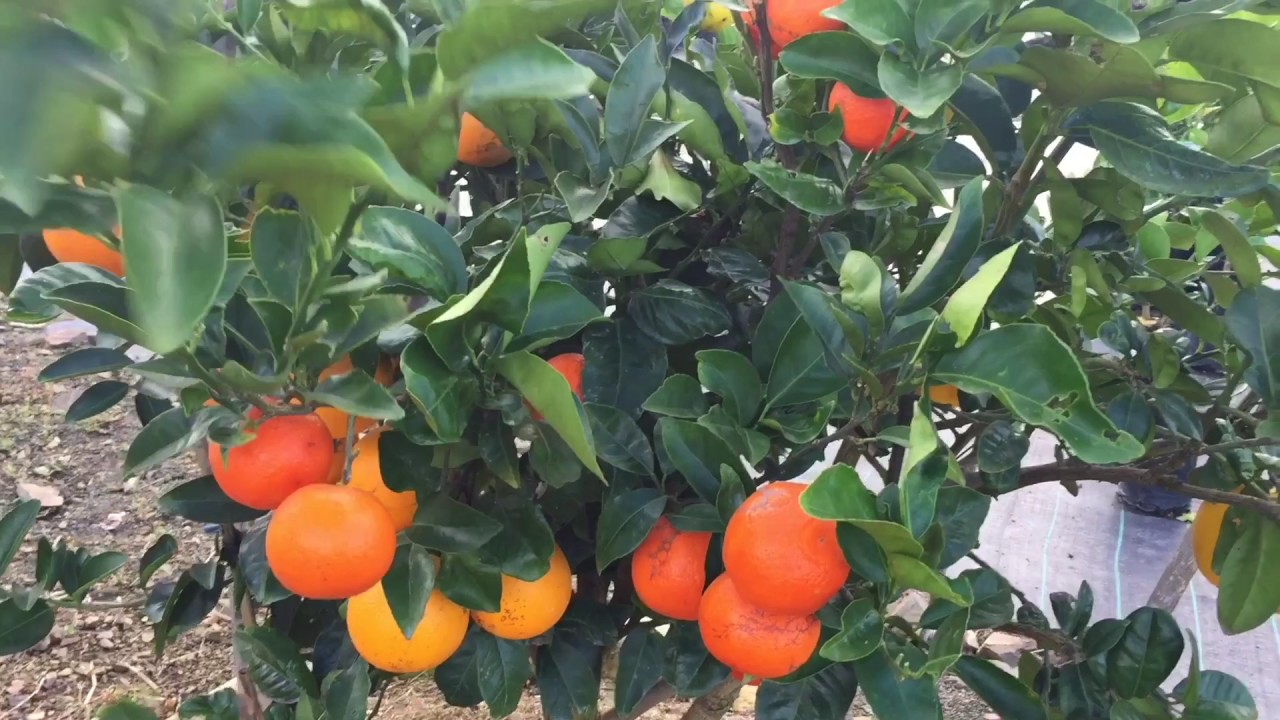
103	653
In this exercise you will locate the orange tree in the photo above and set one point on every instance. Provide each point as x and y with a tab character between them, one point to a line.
360	228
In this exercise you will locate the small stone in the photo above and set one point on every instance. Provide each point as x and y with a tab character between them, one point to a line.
53	443
113	521
1006	647
42	470
68	333
130	484
36	715
106	643
84	668
48	495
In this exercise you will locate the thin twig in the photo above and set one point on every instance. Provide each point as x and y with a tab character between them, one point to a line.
377	704
35	692
138	674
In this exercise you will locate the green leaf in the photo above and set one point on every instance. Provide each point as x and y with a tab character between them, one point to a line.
258	578
637	81
346	692
471	583
202	500
408	585
674	313
1073	17
824	695
639	668
79	578
458	677
1146	654
918	492
949	254
365	19
619	441
175	259
1250	320
731	376
524	548
810	193
664	182
274	664
557	312
1001	447
687	665
862	281
908	572
156	555
412	246
948	24
105	305
581	198
283	246
85	361
963	311
696	452
504	668
881	22
1231	47
1136	141
27	303
547	390
625	521
922	93
356	393
679	396
568	672
503	297
480	31
861	630
1039	379
1003	692
794	357
1250	592
446	398
892	695
839	56
1243	256
447	525
532	72
15	525
21	629
992	601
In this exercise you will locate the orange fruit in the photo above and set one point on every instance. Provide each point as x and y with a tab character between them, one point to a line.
335	419
287	452
530	608
1205	531
67	245
790	20
945	395
669	570
752	640
329	542
781	559
366	474
867	121
378	639
570	366
480	146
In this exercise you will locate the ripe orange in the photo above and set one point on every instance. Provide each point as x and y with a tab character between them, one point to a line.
366	474
335	419
480	146
569	365
329	542
780	558
531	608
378	638
287	452
867	121
669	570
67	245
752	640
945	395
790	20
1205	531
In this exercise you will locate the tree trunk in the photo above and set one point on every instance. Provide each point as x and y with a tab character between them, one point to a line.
714	704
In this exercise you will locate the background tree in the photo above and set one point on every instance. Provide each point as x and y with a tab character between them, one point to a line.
767	247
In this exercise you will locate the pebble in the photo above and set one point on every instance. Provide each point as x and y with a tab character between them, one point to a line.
36	715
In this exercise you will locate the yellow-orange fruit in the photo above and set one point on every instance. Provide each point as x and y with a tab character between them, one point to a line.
378	639
531	608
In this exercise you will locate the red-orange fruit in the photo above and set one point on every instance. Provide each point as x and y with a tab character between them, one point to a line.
287	452
669	570
750	639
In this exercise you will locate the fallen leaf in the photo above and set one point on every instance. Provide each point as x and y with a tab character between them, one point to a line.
48	495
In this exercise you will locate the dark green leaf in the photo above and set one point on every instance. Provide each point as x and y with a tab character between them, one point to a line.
679	396
96	399
557	312
674	313
1249	594
879	21
503	297
731	376
85	361
202	500
921	93
125	710
524	548
1249	322
687	664
1081	693
568	672
1003	692
447	525
908	572
356	393
471	583
893	695
619	441
103	304
1073	17
1145	655
863	553
861	630
624	367
1130	413
445	397
408	585
346	692
639	668
918	492
835	56
1001	447
406	467
458	677
992	601
258	577
696	452
176	256
80	577
21	629
949	254
156	555
15	525
284	246
476	33
625	521
1038	378
810	193
825	695
28	304
535	71
503	668
274	664
549	392
637	81
412	246
1136	141
960	512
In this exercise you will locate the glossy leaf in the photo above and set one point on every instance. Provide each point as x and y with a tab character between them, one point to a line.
679	396
412	246
824	695
446	398
548	391
15	525
345	693
471	583
674	313
625	521
893	695
1250	593
356	393
20	628
731	376
408	585
619	441
861	630
155	556
284	246
1003	692
637	81
503	668
1249	320
1073	17
948	256
202	500
85	361
623	366
274	664
556	312
639	668
921	93
838	56
810	193
503	297
964	310
1146	654
696	452
447	525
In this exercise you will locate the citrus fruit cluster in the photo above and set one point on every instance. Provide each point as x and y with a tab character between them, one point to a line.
781	567
330	541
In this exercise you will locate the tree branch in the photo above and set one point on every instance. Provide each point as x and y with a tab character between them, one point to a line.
659	694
